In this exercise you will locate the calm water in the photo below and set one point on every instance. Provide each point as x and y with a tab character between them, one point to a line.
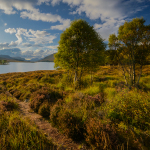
24	67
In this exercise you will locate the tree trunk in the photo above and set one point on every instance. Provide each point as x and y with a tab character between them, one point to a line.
124	76
133	66
137	83
91	78
75	76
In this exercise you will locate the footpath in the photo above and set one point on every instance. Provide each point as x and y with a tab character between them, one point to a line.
63	142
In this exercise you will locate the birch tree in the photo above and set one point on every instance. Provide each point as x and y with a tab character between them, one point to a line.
80	48
132	46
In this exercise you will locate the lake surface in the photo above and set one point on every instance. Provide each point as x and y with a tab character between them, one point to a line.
24	67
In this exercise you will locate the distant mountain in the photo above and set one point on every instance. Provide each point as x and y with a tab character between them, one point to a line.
11	59
35	59
19	58
49	58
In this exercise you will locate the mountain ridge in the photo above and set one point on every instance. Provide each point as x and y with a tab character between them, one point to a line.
49	58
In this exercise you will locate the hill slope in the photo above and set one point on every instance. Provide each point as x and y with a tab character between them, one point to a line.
11	59
49	58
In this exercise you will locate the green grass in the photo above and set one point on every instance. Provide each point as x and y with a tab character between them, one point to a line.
17	133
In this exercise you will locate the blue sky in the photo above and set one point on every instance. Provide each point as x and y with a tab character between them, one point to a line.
32	28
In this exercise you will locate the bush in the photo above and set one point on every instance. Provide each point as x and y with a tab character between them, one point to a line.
8	106
47	79
55	111
133	108
17	93
101	136
71	124
44	110
44	95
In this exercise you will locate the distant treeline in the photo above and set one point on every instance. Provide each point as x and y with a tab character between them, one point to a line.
3	62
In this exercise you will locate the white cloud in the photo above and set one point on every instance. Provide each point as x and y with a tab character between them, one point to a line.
8	5
54	2
5	24
46	17
10	30
73	2
43	1
38	37
63	26
52	47
31	45
4	45
38	53
111	13
13	44
27	44
12	52
27	53
109	27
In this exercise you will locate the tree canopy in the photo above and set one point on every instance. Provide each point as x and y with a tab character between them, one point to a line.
80	48
133	47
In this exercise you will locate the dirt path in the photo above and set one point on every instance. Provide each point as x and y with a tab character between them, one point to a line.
51	132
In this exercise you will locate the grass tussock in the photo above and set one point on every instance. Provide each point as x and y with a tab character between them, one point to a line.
17	133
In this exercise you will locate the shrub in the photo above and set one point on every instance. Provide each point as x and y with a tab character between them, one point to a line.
71	124
17	93
92	90
43	95
55	111
100	136
47	79
8	106
133	108
36	102
44	110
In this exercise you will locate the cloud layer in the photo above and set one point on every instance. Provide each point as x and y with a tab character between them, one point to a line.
38	37
108	14
28	54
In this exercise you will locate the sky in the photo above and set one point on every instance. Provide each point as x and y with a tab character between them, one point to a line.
32	28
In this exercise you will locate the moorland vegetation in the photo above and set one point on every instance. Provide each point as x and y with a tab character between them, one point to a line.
101	107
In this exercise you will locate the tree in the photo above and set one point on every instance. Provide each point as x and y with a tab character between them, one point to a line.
80	48
111	57
132	45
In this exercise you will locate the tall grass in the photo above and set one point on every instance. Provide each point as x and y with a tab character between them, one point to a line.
18	133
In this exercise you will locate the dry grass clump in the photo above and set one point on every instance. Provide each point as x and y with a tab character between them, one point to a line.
17	133
101	136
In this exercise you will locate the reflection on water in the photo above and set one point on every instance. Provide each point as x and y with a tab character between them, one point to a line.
24	67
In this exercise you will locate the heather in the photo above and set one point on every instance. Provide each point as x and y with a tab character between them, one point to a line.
105	114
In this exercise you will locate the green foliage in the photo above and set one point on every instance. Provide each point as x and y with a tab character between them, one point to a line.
132	48
80	48
133	108
92	90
